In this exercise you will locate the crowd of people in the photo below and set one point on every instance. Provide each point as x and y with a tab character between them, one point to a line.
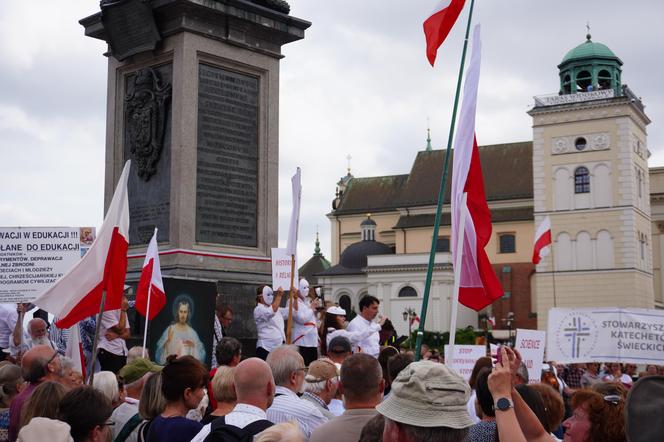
336	381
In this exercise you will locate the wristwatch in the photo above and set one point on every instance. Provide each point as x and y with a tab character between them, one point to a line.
504	404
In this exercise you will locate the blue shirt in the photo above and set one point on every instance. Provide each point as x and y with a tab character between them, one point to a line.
173	429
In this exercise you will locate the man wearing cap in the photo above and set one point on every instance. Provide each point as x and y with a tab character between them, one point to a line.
125	415
305	331
364	322
339	349
320	385
427	402
269	319
362	386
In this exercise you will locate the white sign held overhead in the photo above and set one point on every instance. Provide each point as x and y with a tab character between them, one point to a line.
32	259
530	344
281	269
464	358
606	334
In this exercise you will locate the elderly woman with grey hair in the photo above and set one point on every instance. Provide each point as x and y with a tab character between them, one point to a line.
107	382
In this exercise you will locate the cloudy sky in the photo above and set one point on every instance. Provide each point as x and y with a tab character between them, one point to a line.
358	84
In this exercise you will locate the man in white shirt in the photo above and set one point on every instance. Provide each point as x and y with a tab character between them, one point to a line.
288	370
254	387
363	321
305	331
112	348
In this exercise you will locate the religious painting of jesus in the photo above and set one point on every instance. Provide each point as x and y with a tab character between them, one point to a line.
185	325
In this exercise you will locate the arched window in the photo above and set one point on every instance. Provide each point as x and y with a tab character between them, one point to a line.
344	303
581	180
584	81
567	88
604	79
507	243
407	292
443	244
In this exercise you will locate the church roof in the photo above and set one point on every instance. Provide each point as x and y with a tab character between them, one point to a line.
420	187
315	264
589	49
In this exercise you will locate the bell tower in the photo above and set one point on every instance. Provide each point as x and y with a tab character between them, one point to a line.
590	176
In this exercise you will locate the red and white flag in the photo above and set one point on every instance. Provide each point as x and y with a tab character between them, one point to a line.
491	320
77	294
150	289
542	244
439	24
74	350
478	284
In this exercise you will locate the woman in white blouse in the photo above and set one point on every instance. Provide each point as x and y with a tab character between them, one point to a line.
269	319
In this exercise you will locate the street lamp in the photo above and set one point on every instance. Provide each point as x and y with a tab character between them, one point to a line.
409	314
508	322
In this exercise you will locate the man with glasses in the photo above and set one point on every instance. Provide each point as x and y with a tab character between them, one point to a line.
222	321
41	363
288	369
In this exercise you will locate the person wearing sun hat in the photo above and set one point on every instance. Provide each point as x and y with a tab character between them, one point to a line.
269	319
427	402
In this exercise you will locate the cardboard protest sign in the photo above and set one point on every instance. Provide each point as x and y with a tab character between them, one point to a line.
606	334
281	269
530	343
33	258
464	358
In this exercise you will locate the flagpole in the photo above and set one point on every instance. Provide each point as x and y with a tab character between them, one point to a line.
147	319
441	192
457	278
93	359
553	273
289	325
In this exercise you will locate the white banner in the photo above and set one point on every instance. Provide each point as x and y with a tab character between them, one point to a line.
296	185
606	334
33	258
530	344
464	358
281	269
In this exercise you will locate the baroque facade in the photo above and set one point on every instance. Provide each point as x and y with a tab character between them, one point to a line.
586	168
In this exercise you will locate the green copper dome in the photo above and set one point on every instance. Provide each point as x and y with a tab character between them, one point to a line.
590	67
589	49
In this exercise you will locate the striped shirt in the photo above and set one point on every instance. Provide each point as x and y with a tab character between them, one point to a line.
287	407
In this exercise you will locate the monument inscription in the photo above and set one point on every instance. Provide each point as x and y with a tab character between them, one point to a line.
227	165
147	123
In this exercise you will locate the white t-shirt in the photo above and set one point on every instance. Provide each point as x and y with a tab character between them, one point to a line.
117	346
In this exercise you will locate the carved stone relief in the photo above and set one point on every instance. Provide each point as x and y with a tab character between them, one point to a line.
596	141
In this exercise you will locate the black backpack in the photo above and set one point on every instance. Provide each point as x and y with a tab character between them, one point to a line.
220	431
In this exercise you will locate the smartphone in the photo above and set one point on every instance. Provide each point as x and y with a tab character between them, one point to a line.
499	354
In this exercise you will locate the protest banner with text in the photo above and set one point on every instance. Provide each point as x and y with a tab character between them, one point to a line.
606	334
464	358
33	258
281	269
530	344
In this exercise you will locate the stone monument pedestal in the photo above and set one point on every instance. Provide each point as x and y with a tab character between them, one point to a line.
199	118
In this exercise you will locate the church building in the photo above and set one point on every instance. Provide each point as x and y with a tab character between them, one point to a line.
586	168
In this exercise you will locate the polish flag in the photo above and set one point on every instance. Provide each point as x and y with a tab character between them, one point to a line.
439	24
492	321
74	350
150	296
542	240
77	295
478	284
296	185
